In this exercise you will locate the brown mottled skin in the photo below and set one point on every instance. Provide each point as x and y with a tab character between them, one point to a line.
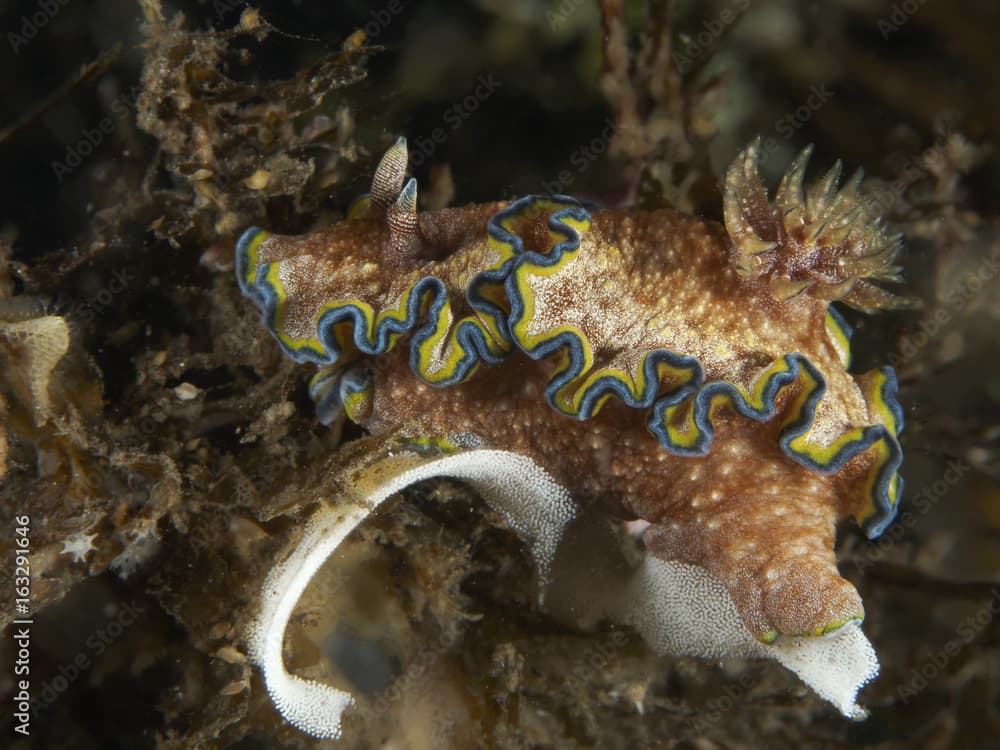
757	520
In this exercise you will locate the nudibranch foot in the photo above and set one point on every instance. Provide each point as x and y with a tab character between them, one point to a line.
681	609
764	526
792	590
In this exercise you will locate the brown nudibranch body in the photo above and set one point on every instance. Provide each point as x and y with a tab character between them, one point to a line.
695	374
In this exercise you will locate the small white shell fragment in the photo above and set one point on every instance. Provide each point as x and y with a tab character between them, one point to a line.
187	391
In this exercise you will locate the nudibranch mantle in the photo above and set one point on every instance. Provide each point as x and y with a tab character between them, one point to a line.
696	373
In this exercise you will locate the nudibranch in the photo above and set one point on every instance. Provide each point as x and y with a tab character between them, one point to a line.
659	365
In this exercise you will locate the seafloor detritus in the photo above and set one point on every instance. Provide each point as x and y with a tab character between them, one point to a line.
719	341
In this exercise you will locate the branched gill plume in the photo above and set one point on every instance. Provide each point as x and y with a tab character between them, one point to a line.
826	242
